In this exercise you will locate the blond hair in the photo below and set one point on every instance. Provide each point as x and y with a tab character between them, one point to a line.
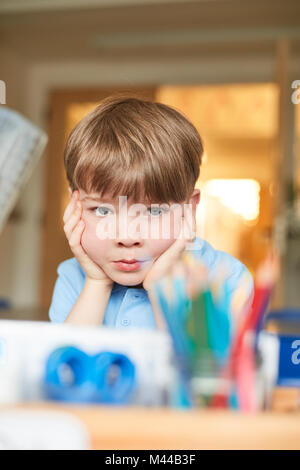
141	149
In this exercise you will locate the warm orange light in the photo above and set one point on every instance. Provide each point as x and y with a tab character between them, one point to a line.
241	196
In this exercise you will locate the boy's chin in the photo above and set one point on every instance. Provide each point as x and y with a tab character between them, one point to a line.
129	280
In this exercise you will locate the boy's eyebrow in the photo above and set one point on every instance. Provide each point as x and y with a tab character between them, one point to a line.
96	198
108	200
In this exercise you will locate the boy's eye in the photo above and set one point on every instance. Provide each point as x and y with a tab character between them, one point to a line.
101	211
156	211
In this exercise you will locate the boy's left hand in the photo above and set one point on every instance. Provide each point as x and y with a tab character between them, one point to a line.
167	260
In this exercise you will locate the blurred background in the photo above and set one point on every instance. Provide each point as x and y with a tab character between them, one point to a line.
229	66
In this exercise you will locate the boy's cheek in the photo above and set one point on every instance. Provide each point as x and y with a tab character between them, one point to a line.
158	247
96	249
175	225
167	228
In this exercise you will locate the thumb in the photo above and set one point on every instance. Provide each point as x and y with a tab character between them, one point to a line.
177	247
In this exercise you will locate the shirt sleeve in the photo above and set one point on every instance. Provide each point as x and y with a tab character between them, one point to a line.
241	287
239	281
67	288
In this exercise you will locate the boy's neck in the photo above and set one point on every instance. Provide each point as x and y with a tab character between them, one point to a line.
138	286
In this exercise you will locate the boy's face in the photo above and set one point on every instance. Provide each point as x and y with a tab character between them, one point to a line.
120	229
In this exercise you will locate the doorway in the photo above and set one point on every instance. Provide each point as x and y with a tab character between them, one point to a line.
238	125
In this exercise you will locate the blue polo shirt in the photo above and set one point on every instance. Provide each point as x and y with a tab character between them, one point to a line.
130	306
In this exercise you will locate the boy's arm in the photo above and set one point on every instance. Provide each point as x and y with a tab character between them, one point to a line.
88	308
242	293
91	304
73	292
67	288
158	314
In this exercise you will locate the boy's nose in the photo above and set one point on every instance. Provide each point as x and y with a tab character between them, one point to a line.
129	239
128	232
128	242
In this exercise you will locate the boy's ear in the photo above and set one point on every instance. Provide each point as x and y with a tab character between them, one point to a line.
70	191
195	198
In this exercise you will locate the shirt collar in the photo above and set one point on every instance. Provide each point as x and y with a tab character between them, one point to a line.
116	287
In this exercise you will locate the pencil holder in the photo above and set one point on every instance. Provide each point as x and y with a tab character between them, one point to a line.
216	354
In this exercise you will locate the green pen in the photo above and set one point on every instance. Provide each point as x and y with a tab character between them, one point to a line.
204	362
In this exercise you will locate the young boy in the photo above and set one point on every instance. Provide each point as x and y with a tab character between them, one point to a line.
132	166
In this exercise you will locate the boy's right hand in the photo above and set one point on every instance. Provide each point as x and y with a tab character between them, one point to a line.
73	228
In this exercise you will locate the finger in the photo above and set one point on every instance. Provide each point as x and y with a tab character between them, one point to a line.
179	270
75	240
196	280
171	256
188	234
71	206
187	228
168	259
72	222
175	250
78	251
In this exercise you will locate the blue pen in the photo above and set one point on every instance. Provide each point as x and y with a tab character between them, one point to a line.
174	313
219	324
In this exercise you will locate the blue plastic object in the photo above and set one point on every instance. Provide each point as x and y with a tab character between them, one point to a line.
71	375
114	377
290	315
289	361
289	348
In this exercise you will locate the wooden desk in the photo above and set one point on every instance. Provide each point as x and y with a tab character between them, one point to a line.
140	428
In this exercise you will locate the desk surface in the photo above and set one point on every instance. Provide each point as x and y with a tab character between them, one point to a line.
156	428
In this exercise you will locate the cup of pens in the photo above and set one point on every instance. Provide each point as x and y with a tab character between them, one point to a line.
213	331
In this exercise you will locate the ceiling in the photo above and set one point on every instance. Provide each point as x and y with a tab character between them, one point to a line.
75	29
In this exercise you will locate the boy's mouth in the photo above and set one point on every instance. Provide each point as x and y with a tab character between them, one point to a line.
127	265
130	261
